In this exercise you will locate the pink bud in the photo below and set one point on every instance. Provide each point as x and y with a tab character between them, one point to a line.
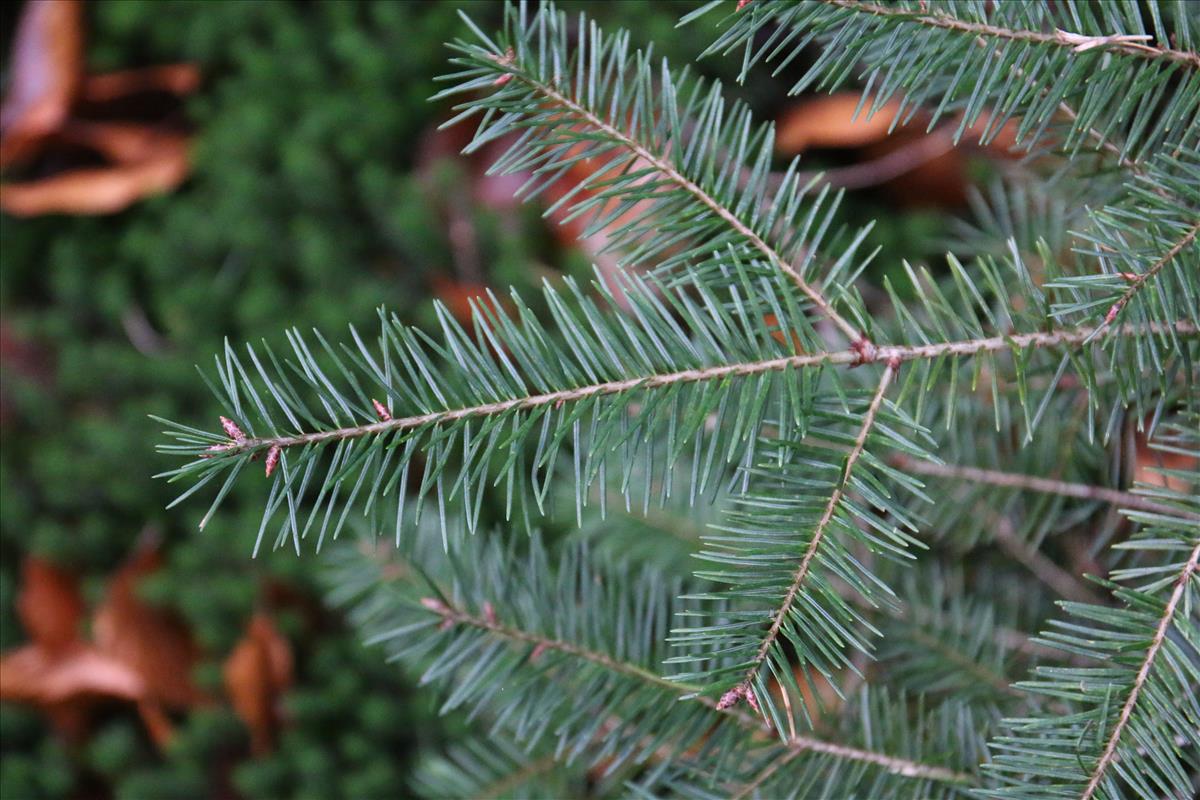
273	458
537	651
742	4
1112	313
381	410
435	605
751	699
216	448
503	79
232	430
730	699
489	613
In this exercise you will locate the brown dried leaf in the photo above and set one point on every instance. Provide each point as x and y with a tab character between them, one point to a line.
179	79
829	121
1149	462
49	605
34	674
104	190
46	69
150	641
257	673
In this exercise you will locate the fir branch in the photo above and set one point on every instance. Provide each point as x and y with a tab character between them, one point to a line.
848	357
814	546
1123	44
480	575
1143	673
1032	483
796	745
667	170
1044	569
1138	281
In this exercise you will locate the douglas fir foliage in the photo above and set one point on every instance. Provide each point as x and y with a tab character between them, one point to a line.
890	505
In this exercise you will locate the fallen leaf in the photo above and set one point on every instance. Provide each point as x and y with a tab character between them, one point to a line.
34	674
1149	464
46	69
49	605
830	121
49	130
152	642
257	673
57	671
178	79
105	190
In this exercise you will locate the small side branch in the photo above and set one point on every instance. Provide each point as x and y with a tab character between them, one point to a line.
1136	284
1033	483
1125	44
1160	635
810	554
668	171
796	745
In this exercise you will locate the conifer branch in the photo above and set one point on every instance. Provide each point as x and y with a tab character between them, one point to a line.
1045	570
1160	634
1115	43
797	745
1139	281
814	546
1032	483
848	357
667	170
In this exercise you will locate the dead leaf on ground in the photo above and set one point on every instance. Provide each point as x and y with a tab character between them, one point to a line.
916	166
151	641
830	121
1149	464
58	671
46	69
138	654
51	129
257	673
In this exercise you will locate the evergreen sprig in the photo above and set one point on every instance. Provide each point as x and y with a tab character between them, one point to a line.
1131	717
733	360
1121	81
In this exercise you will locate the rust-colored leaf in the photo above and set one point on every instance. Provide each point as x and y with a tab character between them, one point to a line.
46	69
1149	464
105	190
49	605
49	119
257	673
35	674
179	79
150	641
830	121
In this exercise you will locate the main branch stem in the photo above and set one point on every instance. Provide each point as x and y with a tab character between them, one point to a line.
882	353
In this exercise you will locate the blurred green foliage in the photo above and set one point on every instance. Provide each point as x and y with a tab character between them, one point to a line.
305	207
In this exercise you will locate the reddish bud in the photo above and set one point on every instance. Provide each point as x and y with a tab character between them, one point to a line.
1112	313
503	79
216	448
752	700
273	458
381	410
232	430
435	605
730	698
742	4
489	613
537	651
